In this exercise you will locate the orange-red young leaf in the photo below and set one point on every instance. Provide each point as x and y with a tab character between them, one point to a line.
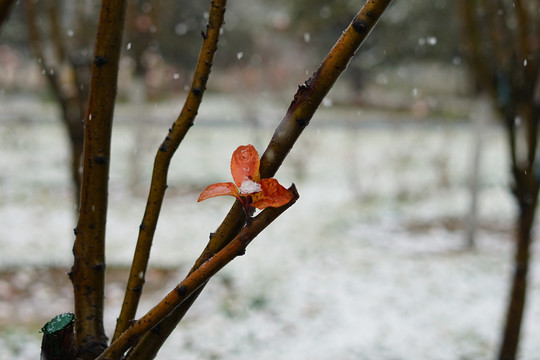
245	164
219	189
272	195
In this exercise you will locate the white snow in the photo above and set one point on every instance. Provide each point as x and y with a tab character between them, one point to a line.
368	264
249	187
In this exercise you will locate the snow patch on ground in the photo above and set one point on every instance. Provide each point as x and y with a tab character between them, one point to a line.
341	275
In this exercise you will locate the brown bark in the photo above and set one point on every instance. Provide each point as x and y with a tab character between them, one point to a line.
88	272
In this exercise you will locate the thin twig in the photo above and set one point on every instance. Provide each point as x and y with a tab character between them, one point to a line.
161	166
305	103
88	272
195	280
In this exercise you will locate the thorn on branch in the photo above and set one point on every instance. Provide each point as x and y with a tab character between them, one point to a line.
204	35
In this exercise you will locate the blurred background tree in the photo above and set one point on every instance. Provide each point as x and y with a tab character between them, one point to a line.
262	34
416	21
266	46
64	58
502	46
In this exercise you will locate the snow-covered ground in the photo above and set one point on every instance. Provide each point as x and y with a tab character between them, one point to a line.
370	263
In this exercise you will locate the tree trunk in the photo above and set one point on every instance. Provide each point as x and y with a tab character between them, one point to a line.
88	271
526	193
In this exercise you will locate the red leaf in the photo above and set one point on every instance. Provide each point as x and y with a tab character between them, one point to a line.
272	195
245	164
219	189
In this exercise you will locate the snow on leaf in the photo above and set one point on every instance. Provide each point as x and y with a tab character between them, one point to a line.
249	187
247	184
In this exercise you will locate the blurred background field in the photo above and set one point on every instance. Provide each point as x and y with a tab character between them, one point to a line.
371	263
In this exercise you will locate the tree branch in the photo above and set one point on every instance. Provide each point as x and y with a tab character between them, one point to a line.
88	271
36	45
305	103
195	280
56	32
161	166
70	103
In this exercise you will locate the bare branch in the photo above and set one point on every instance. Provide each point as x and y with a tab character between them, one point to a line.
88	272
305	103
161	166
195	280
